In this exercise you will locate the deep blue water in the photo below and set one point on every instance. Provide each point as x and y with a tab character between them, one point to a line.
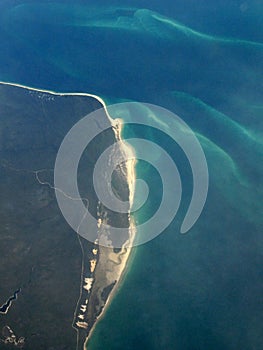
203	61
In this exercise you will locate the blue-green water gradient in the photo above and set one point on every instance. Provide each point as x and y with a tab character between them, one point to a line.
202	60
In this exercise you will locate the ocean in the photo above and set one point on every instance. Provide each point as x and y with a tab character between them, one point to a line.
202	61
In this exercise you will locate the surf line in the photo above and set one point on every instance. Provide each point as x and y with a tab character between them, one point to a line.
6	306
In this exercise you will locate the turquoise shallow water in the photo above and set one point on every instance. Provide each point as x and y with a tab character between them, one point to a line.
204	62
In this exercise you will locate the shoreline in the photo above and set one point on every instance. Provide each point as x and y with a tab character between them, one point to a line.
51	92
114	292
131	177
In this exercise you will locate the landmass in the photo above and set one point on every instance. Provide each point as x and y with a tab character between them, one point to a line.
64	281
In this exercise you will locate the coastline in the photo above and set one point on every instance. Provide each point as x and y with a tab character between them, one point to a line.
114	292
130	176
51	92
